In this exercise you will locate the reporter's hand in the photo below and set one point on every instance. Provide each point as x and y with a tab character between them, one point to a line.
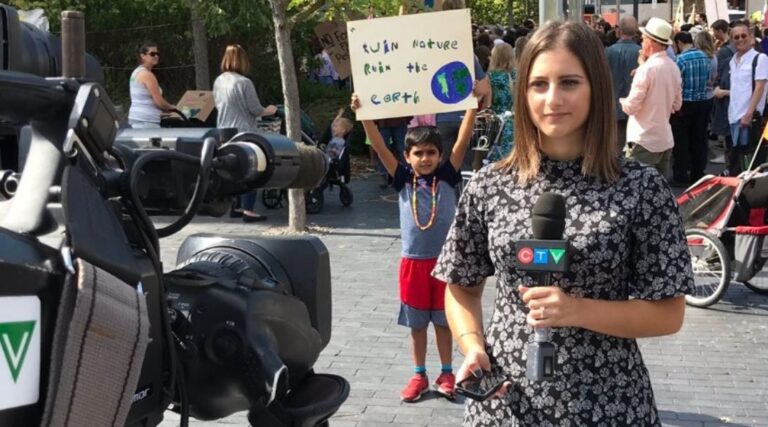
478	362
550	307
270	110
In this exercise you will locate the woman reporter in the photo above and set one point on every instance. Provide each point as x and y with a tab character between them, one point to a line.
629	262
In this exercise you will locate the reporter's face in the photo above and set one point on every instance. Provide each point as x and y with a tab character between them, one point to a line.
558	94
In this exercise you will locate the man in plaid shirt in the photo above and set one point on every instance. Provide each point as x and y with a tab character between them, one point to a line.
689	124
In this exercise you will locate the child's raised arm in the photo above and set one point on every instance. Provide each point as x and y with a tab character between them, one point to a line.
377	141
465	133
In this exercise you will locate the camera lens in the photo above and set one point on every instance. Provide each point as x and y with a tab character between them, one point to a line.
26	48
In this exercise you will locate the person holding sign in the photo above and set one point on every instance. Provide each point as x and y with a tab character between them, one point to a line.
427	204
626	262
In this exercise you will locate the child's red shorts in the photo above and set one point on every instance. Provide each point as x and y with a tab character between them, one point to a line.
422	296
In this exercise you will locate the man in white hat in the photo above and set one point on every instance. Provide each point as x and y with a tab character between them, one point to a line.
655	94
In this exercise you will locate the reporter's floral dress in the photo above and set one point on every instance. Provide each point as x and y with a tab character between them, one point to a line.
627	241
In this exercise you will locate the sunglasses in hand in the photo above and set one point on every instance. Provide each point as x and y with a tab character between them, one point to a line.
470	387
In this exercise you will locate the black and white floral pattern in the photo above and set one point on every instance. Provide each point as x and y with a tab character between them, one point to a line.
627	242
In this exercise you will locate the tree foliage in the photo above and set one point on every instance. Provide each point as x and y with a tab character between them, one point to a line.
496	11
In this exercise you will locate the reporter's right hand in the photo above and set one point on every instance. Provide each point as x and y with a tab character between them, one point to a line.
478	362
270	110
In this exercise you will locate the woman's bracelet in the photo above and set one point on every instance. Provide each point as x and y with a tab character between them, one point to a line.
478	333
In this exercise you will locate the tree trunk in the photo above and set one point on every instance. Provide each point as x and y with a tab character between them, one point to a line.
510	13
200	50
297	216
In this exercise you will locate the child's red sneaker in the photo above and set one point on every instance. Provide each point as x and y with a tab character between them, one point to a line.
445	384
417	386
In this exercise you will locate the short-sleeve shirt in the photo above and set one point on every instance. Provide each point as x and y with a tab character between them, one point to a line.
627	242
695	70
425	244
741	83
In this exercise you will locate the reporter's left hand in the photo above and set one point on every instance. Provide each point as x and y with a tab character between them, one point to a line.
550	307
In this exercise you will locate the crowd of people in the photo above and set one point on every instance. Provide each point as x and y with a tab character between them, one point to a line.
606	116
679	136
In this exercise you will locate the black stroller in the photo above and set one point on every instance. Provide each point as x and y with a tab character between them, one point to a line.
339	171
339	174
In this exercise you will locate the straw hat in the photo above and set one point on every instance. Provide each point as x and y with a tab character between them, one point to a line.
658	30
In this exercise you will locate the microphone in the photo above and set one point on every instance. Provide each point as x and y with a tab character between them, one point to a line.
547	253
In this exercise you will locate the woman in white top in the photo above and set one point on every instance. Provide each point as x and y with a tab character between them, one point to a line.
147	102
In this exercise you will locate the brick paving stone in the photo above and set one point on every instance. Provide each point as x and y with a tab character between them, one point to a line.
714	372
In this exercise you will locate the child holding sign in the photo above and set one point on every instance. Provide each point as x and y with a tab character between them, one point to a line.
427	205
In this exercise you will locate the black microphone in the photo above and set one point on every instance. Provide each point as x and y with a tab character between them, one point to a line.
547	253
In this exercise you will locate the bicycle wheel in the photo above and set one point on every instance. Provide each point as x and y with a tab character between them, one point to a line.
345	196
711	268
271	198
314	200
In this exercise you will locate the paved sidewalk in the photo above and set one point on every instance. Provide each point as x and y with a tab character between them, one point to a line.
712	373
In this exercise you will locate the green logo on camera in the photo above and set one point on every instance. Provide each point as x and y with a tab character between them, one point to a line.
14	340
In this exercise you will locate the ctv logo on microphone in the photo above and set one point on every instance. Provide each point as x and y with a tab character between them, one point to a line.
542	255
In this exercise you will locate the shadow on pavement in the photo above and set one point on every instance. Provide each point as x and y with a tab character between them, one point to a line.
689	419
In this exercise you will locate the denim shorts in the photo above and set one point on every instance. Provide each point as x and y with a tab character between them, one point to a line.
739	135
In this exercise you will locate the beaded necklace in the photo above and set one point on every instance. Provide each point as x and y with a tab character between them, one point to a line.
414	206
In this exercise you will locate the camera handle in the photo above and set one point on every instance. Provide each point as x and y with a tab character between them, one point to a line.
26	213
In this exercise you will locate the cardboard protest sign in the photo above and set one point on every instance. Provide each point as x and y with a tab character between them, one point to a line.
197	104
413	64
716	9
333	37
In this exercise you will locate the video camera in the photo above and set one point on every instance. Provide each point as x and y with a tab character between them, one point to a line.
94	332
26	48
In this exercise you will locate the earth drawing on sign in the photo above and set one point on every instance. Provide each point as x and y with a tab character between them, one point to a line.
452	83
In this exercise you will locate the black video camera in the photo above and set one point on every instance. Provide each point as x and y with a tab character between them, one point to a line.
94	332
26	48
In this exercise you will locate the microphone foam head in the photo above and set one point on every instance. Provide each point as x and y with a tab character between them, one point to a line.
548	217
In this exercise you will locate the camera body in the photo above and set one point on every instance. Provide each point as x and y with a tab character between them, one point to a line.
237	326
252	327
28	49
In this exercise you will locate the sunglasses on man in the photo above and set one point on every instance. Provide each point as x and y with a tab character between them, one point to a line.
153	54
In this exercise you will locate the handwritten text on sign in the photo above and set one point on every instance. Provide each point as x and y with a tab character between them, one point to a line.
413	64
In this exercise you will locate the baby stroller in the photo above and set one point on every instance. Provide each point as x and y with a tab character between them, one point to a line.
339	174
725	221
274	198
485	138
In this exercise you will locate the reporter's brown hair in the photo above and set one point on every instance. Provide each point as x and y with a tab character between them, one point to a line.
600	154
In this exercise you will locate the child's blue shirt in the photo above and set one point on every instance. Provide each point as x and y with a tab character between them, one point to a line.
425	244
